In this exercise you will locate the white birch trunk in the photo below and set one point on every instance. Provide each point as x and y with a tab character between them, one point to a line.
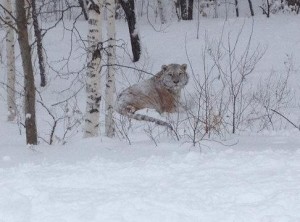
10	62
110	77
161	12
93	79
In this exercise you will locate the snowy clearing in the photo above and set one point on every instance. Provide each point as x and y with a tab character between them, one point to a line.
252	177
105	180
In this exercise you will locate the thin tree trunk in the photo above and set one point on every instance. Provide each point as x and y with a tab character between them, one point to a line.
128	7
161	11
236	3
82	4
110	77
234	114
190	9
10	62
226	10
251	7
198	18
184	10
93	92
29	19
268	8
29	87
39	43
177	9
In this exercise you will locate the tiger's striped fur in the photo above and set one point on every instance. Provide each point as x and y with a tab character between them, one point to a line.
161	92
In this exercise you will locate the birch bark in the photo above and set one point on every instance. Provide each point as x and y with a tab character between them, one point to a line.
93	79
10	62
110	77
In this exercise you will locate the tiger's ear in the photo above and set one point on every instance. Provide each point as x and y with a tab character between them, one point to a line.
164	67
183	67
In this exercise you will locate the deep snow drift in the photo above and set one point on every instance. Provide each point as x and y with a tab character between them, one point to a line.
105	180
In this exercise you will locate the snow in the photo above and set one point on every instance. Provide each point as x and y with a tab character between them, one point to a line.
28	116
103	179
251	177
6	158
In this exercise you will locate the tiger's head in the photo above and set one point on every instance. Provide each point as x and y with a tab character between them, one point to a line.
174	76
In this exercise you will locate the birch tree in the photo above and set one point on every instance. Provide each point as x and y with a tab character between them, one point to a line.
10	61
93	93
29	87
110	76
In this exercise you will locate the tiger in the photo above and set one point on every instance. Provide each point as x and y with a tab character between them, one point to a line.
161	93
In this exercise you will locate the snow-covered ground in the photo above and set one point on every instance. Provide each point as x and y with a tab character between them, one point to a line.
106	180
245	178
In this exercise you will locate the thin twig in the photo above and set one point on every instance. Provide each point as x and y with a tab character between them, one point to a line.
280	114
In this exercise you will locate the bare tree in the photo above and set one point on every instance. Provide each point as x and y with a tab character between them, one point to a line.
39	43
93	92
190	9
273	95
10	62
236	4
184	9
235	72
29	87
128	7
110	77
177	8
266	8
251	7
226	10
83	5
